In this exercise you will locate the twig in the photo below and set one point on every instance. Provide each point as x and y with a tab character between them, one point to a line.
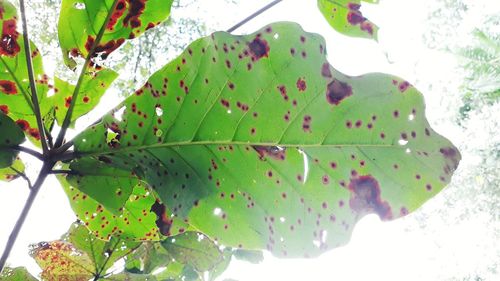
22	175
69	113
29	151
62	172
252	16
27	206
31	76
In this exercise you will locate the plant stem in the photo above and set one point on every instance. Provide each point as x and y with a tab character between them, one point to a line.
29	151
44	172
29	64
88	60
252	16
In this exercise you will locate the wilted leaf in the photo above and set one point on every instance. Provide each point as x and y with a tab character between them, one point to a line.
11	173
81	20
345	17
258	142
194	249
15	94
60	260
16	274
11	135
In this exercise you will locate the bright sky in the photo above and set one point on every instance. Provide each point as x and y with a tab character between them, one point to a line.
377	250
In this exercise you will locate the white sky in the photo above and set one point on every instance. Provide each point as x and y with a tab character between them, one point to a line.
377	251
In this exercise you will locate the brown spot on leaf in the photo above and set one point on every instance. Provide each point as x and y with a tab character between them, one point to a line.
337	90
8	87
163	221
365	197
258	48
274	152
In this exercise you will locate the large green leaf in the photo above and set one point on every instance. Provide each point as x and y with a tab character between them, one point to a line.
11	135
345	17
258	142
81	20
16	274
194	249
15	94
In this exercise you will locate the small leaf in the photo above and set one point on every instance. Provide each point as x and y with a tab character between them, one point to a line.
60	260
345	17
81	20
93	175
11	173
221	267
16	274
11	135
194	249
249	255
93	87
103	254
127	276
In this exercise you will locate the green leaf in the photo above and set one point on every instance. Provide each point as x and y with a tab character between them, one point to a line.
81	20
11	173
345	17
93	175
138	219
127	276
11	136
249	255
16	274
103	254
257	142
15	95
227	255
93	87
60	260
194	249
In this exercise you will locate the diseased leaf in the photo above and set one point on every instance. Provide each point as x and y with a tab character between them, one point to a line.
15	95
127	276
92	178
16	274
345	17
11	173
60	260
194	249
93	87
11	135
137	221
103	254
81	20
257	142
146	259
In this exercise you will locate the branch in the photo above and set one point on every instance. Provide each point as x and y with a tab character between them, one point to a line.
29	151
88	60
22	175
252	16
62	172
27	206
31	76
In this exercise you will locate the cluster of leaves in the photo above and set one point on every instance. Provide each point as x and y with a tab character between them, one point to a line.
242	142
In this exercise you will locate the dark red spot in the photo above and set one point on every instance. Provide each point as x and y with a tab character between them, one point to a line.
301	84
395	114
367	26
274	152
355	18
5	109
163	221
325	70
306	124
337	91
225	103
8	87
135	10
86	99
117	13
365	197
282	90
258	48
8	43
33	132
23	124
325	179
403	86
